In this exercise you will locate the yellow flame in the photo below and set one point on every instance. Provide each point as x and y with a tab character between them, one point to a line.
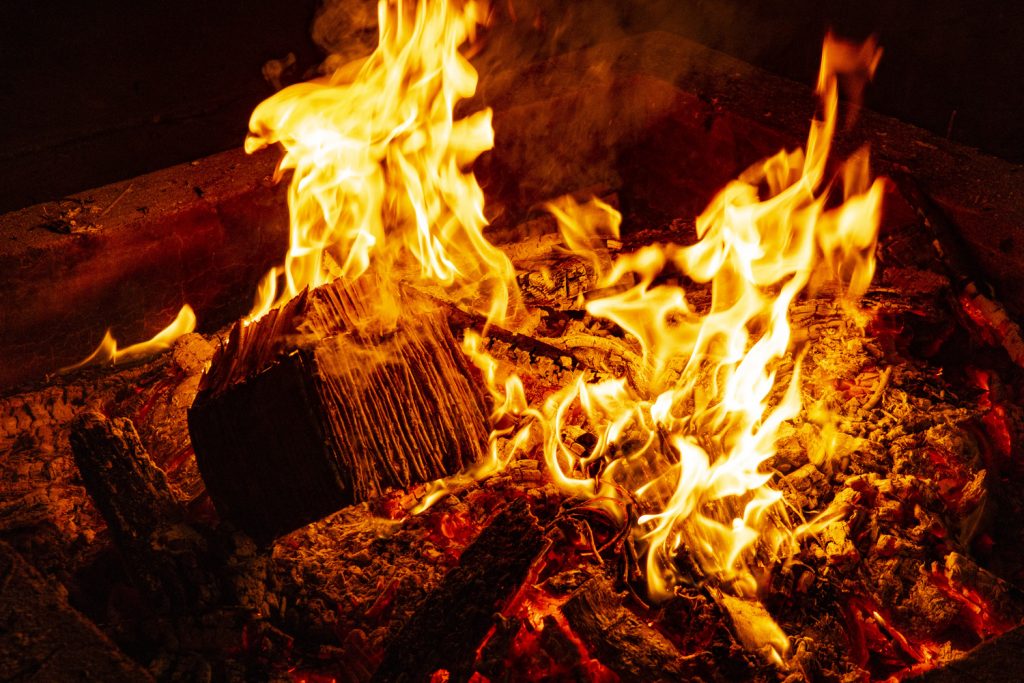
379	165
585	228
108	353
686	431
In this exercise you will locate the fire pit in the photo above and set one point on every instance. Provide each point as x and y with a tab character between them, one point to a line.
695	394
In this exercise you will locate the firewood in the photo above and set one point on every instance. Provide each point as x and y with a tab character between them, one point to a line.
624	642
163	555
127	487
995	660
446	630
304	412
976	295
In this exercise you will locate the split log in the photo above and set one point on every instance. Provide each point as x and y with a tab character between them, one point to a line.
306	410
446	630
624	643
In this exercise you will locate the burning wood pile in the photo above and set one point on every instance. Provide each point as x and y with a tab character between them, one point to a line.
596	442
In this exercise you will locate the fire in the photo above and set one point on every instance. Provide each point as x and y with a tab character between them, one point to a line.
685	432
380	186
108	353
381	190
380	180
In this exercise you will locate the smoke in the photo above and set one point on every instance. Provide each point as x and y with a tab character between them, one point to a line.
562	79
345	30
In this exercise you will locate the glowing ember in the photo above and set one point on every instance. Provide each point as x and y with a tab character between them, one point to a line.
685	431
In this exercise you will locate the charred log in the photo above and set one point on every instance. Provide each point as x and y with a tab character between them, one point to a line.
302	412
446	630
995	661
624	643
164	556
976	295
130	491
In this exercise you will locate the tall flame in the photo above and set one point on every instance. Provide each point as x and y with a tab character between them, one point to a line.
380	187
380	172
685	432
380	164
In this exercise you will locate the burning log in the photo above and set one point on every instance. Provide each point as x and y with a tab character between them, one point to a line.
463	607
624	642
304	412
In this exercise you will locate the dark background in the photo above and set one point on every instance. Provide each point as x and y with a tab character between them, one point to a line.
93	92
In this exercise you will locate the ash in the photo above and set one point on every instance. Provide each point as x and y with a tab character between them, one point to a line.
921	410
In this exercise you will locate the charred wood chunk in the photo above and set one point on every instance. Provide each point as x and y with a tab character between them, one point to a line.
127	487
42	638
164	556
446	630
306	410
624	643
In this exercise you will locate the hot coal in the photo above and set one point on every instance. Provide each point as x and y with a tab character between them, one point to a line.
922	567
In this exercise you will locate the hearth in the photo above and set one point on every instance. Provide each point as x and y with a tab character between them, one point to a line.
612	422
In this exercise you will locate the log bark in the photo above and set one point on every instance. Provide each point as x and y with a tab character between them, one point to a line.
446	630
307	411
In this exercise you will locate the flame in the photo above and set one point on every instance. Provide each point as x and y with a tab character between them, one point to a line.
108	353
584	228
379	172
379	164
685	432
380	188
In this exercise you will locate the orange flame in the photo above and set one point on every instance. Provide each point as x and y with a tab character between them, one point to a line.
379	165
380	184
686	430
108	353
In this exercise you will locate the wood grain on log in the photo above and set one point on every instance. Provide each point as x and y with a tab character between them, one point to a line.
304	412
